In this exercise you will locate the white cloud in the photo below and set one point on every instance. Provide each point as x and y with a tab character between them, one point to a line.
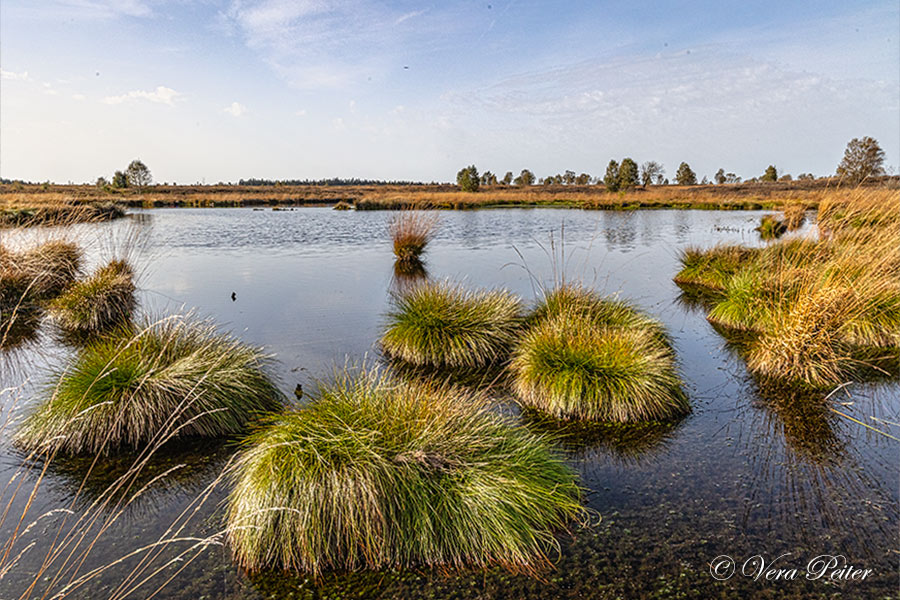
301	112
161	95
236	109
13	76
408	16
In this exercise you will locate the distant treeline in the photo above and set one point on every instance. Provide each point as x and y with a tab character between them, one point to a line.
334	181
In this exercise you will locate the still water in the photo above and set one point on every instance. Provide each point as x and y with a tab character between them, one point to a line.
746	474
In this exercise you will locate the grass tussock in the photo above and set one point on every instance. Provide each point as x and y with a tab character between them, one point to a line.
793	216
444	325
823	310
376	473
586	356
411	231
123	390
102	301
712	268
37	274
771	227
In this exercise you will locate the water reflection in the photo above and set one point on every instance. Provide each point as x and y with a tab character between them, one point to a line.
408	274
623	443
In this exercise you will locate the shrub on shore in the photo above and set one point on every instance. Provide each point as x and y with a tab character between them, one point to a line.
571	366
95	304
443	325
175	377
377	473
411	231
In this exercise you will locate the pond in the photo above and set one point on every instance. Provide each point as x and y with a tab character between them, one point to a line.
744	475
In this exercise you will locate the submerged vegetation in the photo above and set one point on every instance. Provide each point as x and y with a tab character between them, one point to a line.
103	300
444	325
378	473
411	232
175	374
589	357
820	311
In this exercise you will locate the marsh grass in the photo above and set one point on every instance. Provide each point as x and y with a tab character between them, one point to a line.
410	232
574	368
38	273
104	300
822	310
793	216
712	268
771	227
444	325
122	389
376	473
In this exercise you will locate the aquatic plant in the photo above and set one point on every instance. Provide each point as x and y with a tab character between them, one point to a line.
745	302
570	366
343	205
712	268
793	216
376	473
411	231
575	299
124	389
771	227
95	304
442	324
37	273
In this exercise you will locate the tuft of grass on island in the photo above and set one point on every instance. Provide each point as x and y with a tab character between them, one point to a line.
23	204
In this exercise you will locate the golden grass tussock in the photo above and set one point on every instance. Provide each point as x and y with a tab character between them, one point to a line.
104	300
410	232
37	273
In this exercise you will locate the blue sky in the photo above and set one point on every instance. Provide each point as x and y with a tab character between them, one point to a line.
207	90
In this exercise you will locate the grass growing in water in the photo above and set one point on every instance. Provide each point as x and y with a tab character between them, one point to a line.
771	227
712	268
376	473
121	391
411	231
38	273
441	324
95	304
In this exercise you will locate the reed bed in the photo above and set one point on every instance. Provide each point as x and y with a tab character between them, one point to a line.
120	390
377	473
589	357
444	325
410	232
102	301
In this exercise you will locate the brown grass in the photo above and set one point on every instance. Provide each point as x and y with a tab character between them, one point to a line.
410	232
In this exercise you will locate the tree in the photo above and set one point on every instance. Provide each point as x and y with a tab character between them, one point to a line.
138	174
507	179
583	179
719	177
863	158
786	177
488	178
526	177
611	179
102	182
771	174
628	174
467	179
685	176
569	177
119	180
732	178
651	172
806	177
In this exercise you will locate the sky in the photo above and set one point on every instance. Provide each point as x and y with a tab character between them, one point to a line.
219	90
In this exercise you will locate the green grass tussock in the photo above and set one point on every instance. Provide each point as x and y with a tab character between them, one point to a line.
444	325
376	473
103	300
574	368
771	227
176	377
712	268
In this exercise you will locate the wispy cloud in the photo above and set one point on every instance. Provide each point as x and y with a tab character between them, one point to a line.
161	95
13	76
235	109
